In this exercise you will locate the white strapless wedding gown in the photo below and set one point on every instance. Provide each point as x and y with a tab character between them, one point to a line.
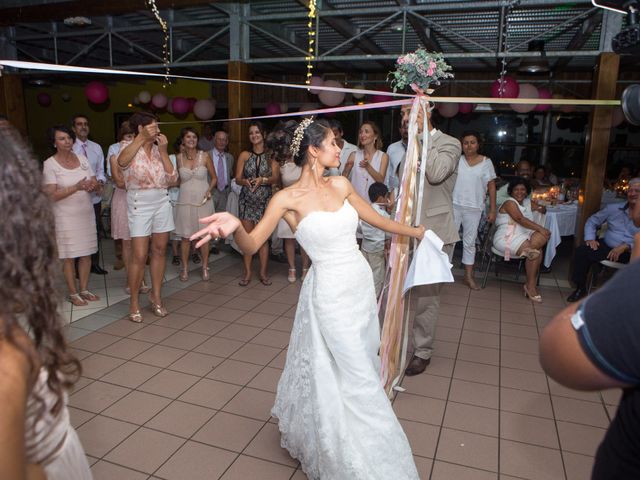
333	414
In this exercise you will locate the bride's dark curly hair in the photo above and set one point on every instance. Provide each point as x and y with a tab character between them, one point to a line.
279	140
28	270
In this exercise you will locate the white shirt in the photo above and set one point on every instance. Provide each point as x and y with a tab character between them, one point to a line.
396	152
347	148
94	154
471	185
373	238
173	192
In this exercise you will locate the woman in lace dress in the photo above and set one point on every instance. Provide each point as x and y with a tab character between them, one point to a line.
36	368
333	413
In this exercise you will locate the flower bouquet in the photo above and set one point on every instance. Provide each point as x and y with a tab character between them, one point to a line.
419	70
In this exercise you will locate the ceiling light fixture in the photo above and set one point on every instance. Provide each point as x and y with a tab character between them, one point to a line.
77	21
535	64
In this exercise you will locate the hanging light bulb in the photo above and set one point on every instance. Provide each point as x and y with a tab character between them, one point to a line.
535	64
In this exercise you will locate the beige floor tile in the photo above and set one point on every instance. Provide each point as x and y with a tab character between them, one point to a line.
214	299
80	384
185	340
175	320
423	438
473	353
477	372
252	403
578	467
528	429
579	411
472	393
168	383
196	363
471	418
468	449
482	313
580	439
454	299
445	349
131	374
94	342
187	295
243	303
427	385
440	366
611	396
523	380
145	450
234	371
449	471
530	461
220	347
255	319
522	361
196	461
100	434
258	354
517	344
126	348
153	333
195	309
267	379
96	365
522	331
271	308
160	356
526	403
483	326
241	333
451	321
519	318
233	289
266	445
137	407
455	310
486	304
210	393
480	339
272	338
225	314
181	419
562	391
228	431
255	293
448	334
419	409
97	396
280	360
248	467
78	417
102	470
122	328
206	326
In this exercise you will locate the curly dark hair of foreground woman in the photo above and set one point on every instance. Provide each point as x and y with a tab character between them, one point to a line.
29	266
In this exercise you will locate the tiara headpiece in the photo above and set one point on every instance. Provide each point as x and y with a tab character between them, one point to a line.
298	134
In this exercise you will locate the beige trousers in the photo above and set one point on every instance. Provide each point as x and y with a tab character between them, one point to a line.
425	305
378	266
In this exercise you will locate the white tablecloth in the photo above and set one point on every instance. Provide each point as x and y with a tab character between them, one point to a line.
560	220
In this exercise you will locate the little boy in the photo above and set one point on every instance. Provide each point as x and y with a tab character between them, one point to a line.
373	239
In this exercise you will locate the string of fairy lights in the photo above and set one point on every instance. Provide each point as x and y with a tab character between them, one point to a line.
505	31
165	42
311	15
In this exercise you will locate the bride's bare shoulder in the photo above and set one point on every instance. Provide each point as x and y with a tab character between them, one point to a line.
339	183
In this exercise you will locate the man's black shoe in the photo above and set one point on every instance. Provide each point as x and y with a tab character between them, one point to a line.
577	295
417	366
98	270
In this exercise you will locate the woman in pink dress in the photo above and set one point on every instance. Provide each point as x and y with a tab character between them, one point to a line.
68	179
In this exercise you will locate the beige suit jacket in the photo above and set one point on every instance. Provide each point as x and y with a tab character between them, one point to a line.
441	171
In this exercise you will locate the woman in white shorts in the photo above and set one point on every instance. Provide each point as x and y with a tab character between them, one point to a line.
147	173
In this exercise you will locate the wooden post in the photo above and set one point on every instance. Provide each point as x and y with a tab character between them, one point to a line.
597	146
12	101
239	106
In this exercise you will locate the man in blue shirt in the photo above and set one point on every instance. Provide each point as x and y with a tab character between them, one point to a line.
616	244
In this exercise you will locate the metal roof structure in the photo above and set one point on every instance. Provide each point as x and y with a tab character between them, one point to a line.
351	35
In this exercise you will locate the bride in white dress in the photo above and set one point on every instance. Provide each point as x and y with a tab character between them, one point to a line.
333	413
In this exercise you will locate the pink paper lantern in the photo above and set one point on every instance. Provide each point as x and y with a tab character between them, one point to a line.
96	92
204	109
509	88
316	82
159	101
543	93
466	107
44	99
272	108
526	91
617	117
448	110
329	98
180	106
144	97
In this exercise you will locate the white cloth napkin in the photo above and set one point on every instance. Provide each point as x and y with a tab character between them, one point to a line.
429	265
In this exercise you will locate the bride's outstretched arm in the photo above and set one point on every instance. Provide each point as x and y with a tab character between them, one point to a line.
224	224
369	215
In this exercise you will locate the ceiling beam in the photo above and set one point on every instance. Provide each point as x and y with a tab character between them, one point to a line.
427	41
579	39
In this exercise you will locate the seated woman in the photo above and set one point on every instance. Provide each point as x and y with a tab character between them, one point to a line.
518	235
540	179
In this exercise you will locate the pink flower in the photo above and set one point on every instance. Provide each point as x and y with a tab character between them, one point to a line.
430	71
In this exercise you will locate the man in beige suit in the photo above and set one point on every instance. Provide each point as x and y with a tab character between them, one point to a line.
441	170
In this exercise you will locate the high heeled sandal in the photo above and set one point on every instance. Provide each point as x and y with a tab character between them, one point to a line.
157	309
89	296
304	274
184	275
292	275
135	317
205	273
144	288
76	300
533	298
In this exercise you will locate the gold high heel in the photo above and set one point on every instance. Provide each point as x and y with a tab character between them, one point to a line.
157	309
184	275
135	317
533	298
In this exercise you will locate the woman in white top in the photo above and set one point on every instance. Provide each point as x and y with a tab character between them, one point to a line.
476	175
369	163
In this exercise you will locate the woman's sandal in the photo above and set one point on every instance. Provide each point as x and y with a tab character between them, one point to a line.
135	317
76	300
157	309
184	275
205	273
244	282
87	295
144	288
292	275
266	281
304	274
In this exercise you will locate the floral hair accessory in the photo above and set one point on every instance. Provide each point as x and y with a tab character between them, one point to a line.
298	134
419	70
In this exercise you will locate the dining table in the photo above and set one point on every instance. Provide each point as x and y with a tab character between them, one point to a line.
560	220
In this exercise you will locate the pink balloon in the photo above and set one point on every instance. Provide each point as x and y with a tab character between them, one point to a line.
44	99
448	110
329	98
159	101
192	102
180	105
617	117
272	108
204	109
526	91
316	82
543	93
466	107
509	88
96	92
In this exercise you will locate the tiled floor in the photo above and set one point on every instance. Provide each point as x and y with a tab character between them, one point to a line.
188	396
